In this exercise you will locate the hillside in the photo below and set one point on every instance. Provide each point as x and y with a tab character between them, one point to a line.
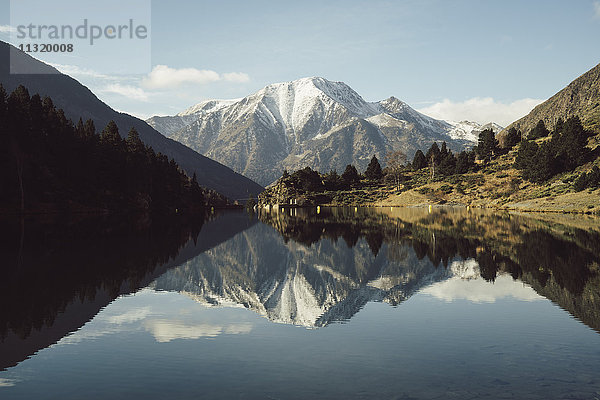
581	97
78	101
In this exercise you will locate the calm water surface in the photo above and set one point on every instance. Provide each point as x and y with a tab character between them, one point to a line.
340	303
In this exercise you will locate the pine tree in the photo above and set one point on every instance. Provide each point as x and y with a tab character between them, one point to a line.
433	154
373	171
526	155
487	146
89	129
512	138
79	128
419	161
443	152
539	131
134	143
350	175
332	180
448	164
110	135
463	163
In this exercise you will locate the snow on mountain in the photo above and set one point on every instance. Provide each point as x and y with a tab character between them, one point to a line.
308	122
468	130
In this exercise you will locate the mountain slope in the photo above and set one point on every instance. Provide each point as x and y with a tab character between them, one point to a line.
78	101
308	122
581	97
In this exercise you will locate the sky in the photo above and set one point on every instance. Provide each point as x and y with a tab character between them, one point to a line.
478	60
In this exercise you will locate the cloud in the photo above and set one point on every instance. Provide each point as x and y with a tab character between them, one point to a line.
467	284
166	330
132	92
136	314
597	9
164	77
7	29
480	291
236	77
481	110
5	382
75	70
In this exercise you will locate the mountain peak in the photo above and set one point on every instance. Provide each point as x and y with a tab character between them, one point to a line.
311	122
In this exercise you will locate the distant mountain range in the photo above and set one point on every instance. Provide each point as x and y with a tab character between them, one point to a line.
78	101
581	97
308	122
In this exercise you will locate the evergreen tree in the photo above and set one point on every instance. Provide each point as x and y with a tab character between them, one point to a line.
419	161
539	131
443	152
487	146
463	163
448	164
513	137
526	155
332	180
373	171
594	177
79	128
570	146
350	176
433	154
307	179
110	135
134	143
89	129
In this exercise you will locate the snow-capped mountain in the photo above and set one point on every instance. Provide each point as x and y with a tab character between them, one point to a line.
308	122
469	130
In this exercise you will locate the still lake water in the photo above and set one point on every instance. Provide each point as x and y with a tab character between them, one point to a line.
345	303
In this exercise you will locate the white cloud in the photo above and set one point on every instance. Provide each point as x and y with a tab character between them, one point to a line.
481	110
164	77
236	77
7	29
597	9
480	291
132	92
75	70
136	314
5	382
165	330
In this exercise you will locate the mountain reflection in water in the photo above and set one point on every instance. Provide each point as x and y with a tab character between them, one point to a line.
311	268
305	267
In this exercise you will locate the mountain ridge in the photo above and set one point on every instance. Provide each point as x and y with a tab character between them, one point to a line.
579	98
307	122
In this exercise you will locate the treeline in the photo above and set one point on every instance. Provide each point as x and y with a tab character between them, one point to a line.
564	151
309	180
442	161
47	163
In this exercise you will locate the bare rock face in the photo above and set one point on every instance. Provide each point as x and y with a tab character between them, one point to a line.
308	122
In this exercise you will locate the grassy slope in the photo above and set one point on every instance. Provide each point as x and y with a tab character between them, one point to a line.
496	185
499	185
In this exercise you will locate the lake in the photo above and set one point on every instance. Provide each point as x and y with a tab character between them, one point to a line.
331	303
